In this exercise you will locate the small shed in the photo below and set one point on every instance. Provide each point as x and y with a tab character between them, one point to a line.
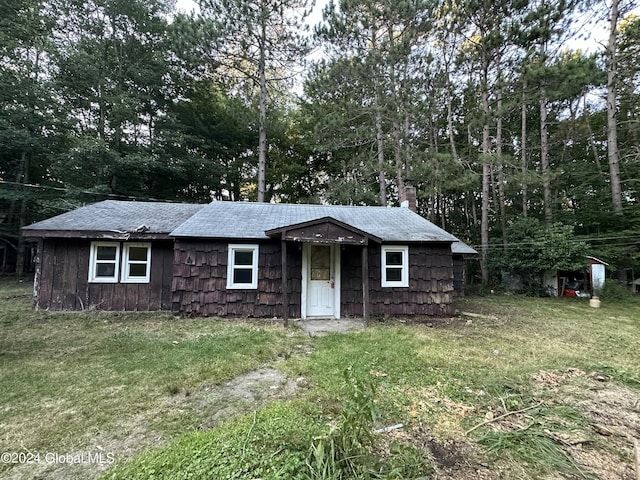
578	283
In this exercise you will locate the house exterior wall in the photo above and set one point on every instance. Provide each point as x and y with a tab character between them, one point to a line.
200	272
63	272
430	290
190	278
200	281
459	275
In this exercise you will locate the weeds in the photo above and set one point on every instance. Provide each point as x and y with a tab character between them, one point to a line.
345	452
533	446
614	291
540	443
70	380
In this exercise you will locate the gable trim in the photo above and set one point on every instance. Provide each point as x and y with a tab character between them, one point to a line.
323	230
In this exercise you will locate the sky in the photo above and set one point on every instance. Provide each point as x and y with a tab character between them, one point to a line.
315	17
590	38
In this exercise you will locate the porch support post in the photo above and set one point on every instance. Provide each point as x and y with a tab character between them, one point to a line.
365	284
285	283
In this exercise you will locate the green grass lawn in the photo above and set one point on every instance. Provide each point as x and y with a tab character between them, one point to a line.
72	382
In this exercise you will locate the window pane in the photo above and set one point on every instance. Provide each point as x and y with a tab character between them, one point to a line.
320	274
320	262
394	258
242	275
138	270
105	269
138	254
243	257
106	253
394	274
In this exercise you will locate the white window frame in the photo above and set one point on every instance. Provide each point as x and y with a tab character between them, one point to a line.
404	280
93	263
235	247
126	278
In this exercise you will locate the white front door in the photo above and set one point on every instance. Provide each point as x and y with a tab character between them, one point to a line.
322	279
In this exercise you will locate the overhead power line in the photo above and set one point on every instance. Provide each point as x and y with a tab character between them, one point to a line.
578	239
86	192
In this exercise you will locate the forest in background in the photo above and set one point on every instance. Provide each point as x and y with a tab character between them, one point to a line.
517	141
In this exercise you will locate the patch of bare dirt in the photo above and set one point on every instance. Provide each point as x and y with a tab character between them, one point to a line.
321	327
452	459
604	445
601	445
613	412
212	405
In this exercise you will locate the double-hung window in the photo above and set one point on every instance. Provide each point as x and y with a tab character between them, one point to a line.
104	263
136	262
113	262
395	266
242	266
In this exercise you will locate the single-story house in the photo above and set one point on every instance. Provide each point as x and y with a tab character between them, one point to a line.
247	259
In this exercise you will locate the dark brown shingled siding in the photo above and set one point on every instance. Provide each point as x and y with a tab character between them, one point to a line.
201	289
63	282
458	275
430	289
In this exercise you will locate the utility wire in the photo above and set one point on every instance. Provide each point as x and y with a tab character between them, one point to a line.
490	245
87	192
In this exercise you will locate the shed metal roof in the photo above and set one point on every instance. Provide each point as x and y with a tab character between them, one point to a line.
251	220
119	216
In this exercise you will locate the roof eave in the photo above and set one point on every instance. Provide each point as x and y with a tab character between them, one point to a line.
94	234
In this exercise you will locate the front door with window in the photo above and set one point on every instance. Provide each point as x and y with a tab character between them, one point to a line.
321	276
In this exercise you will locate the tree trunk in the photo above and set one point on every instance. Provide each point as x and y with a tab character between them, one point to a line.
523	152
612	127
397	120
501	195
454	152
262	121
544	159
484	225
101	114
382	181
397	137
24	166
592	140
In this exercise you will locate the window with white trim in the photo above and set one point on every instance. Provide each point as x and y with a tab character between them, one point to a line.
104	262
395	266
136	262
113	262
242	266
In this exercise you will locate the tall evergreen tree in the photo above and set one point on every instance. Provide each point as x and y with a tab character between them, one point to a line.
259	42
28	125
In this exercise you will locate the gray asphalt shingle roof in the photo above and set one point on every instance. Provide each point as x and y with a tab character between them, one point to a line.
242	220
119	216
461	248
250	221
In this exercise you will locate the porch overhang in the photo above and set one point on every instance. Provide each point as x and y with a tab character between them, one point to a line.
323	230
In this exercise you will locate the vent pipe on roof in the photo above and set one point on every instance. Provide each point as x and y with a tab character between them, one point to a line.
408	198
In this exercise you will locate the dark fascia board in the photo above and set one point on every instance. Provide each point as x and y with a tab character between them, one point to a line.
281	231
94	235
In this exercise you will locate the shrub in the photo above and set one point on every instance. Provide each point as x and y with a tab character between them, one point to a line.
612	290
